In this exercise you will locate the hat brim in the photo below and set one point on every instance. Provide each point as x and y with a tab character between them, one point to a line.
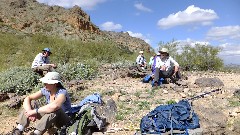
47	51
163	52
44	80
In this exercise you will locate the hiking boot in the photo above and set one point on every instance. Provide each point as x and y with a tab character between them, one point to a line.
155	86
15	131
32	133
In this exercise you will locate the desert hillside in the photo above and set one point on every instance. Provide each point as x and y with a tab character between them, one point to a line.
31	17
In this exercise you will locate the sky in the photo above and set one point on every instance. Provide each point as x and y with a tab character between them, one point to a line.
209	22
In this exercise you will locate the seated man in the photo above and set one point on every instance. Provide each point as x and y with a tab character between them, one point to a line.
166	67
52	113
41	64
141	61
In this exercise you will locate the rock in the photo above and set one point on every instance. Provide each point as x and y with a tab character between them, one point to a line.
3	97
144	95
197	131
98	133
110	109
183	95
209	82
15	102
125	98
165	92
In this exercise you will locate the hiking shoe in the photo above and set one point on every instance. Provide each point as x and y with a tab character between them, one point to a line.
15	131
32	133
155	86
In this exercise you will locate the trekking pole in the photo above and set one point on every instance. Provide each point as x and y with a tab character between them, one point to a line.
202	95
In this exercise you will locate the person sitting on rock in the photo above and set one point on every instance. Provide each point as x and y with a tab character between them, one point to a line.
141	61
53	113
41	64
166	67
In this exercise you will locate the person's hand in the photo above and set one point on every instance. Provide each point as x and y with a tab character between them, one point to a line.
163	68
31	114
54	65
176	69
33	117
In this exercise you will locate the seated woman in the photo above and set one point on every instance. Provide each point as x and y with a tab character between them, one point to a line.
166	67
53	113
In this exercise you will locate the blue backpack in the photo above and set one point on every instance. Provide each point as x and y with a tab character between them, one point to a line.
165	118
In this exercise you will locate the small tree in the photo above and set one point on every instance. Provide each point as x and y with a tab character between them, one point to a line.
198	57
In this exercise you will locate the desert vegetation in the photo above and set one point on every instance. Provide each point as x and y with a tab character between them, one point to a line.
77	60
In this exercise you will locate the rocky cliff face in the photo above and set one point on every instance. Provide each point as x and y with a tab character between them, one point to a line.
31	17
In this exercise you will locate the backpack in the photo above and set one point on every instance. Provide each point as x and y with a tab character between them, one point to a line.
170	118
87	121
85	117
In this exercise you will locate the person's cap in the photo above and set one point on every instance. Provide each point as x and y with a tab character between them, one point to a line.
164	50
158	53
51	78
47	50
141	52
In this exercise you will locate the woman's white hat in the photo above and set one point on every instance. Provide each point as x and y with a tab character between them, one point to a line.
51	78
141	52
164	50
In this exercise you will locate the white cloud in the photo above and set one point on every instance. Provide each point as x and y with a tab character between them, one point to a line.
192	15
191	42
141	7
223	33
139	35
85	4
110	26
230	49
230	53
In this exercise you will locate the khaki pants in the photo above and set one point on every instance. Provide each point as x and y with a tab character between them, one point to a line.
45	121
42	70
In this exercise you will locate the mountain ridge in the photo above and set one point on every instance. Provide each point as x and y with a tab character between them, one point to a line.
32	17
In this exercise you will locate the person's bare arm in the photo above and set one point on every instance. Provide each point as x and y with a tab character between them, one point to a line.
28	99
51	107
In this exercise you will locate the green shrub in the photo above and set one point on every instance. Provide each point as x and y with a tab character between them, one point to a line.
144	105
76	71
234	102
20	50
171	102
198	57
18	80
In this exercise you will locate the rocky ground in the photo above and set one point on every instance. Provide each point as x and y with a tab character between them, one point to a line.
218	111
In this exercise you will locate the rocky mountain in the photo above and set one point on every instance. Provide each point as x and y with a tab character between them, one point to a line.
32	17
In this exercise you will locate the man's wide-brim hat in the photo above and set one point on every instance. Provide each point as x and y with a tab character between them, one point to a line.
164	50
47	50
